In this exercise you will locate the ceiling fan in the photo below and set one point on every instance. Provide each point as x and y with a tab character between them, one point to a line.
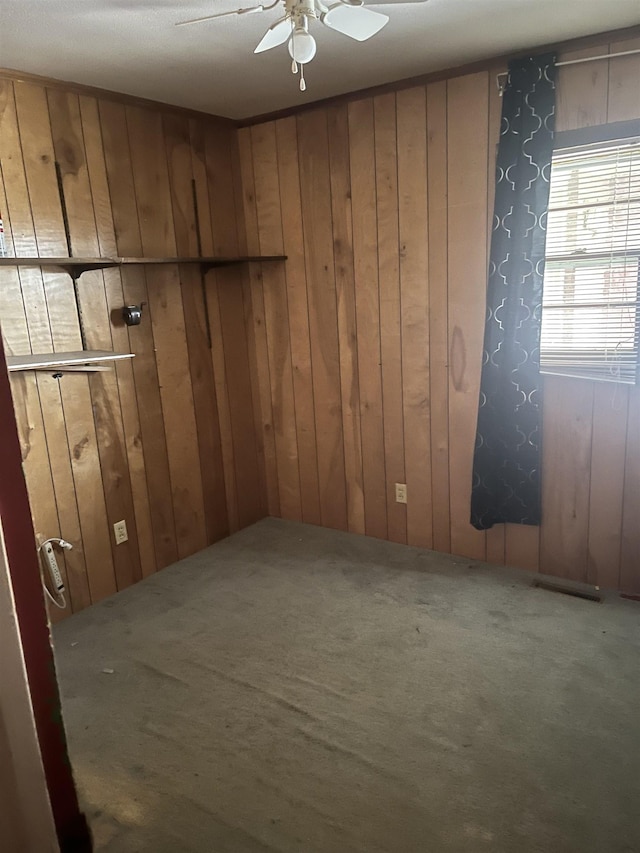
349	17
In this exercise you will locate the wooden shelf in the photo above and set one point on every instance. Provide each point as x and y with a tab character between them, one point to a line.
213	262
76	266
73	266
83	359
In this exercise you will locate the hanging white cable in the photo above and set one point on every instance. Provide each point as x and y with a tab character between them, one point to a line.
62	606
574	62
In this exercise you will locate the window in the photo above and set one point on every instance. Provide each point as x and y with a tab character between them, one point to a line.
590	317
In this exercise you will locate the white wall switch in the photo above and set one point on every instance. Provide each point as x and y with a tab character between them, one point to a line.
401	493
120	531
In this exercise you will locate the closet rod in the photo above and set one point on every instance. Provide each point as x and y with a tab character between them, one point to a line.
574	62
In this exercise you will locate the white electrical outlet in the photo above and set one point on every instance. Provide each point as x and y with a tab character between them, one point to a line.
120	532
401	493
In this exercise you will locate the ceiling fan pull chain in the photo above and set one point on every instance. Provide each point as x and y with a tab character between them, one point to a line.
303	85
294	66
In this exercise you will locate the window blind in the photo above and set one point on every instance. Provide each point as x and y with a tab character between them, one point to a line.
592	266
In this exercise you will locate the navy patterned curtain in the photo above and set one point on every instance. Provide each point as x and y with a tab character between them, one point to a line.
506	464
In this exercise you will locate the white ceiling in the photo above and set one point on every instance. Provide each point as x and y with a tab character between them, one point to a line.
132	46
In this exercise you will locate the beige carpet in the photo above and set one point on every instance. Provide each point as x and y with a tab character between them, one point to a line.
296	689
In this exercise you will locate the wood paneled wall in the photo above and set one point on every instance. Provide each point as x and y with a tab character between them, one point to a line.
350	368
167	440
368	341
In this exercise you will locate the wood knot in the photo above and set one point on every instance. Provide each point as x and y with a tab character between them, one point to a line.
79	447
72	162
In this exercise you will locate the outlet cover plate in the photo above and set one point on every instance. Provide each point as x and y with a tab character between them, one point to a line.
401	493
120	532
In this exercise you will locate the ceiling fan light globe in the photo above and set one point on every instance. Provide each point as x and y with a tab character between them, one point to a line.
302	46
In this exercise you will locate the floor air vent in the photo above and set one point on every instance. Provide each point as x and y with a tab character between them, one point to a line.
567	590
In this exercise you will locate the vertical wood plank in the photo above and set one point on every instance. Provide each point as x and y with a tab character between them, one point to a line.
438	310
258	353
342	228
467	259
68	146
581	99
151	183
128	241
522	546
386	165
199	141
414	289
181	176
313	154
221	164
270	238
219	358
257	341
96	166
365	261
250	325
623	101
237	362
259	504
566	451
630	550
260	487
293	245
608	445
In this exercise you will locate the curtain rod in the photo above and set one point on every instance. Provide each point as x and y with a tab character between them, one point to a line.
573	62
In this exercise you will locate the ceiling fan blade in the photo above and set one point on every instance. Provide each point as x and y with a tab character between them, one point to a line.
277	34
357	22
247	11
